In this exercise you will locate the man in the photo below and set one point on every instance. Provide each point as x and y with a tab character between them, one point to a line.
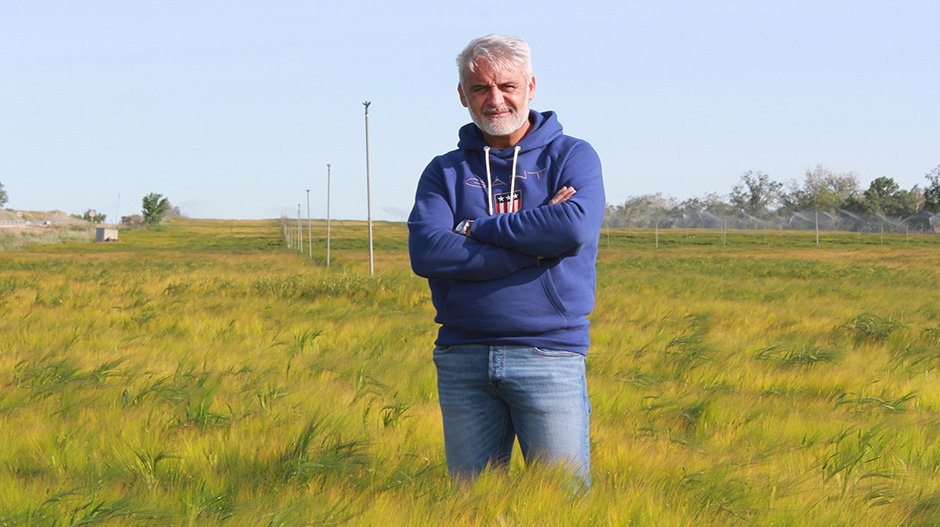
506	229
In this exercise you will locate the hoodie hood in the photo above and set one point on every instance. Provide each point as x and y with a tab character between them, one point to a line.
545	129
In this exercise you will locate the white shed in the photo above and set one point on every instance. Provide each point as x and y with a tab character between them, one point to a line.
106	234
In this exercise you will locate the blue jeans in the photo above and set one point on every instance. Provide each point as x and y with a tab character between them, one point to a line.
490	395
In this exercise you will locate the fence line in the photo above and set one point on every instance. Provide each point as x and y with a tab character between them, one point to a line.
841	220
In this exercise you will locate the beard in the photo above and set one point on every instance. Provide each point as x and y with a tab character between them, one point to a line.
503	125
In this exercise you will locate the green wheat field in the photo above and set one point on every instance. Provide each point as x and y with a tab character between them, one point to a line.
206	374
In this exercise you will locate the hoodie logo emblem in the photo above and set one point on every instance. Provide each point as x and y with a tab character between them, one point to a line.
476	182
537	174
508	202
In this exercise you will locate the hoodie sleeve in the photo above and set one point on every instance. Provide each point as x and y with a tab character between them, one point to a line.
438	252
562	228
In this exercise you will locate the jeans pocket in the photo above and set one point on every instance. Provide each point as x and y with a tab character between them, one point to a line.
556	353
442	350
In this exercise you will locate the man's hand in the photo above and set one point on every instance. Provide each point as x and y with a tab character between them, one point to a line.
562	195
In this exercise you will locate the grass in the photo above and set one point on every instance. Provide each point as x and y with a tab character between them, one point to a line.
204	374
32	236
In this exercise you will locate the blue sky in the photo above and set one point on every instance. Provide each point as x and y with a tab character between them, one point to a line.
232	109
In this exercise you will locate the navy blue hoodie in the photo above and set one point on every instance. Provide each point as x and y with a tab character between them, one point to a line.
526	275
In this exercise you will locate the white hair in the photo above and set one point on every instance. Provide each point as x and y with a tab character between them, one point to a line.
499	51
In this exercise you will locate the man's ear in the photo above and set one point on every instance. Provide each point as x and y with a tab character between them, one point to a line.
463	97
532	88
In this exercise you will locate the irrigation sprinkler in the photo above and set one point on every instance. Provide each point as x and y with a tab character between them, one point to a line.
814	221
860	222
309	236
327	214
369	190
856	217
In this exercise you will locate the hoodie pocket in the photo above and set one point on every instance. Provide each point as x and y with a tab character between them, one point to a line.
552	293
524	303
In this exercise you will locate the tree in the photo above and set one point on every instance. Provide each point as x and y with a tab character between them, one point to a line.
932	191
709	211
822	190
645	210
3	196
97	218
884	196
756	194
154	207
878	197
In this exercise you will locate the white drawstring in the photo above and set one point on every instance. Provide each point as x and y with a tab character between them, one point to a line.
489	179
512	183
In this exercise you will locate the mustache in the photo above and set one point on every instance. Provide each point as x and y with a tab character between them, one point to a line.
490	111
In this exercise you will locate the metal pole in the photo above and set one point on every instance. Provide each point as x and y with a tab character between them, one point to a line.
369	190
817	228
300	231
309	236
327	214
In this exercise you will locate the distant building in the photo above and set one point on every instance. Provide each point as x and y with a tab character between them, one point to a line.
106	234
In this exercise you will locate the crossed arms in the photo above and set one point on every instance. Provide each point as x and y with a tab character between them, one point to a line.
502	244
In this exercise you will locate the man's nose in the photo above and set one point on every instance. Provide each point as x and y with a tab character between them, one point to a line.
495	97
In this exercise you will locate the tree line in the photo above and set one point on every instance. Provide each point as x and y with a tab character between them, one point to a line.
824	199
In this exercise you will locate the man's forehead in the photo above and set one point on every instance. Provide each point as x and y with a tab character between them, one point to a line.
500	70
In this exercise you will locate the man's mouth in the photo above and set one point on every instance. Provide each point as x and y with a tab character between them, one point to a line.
497	113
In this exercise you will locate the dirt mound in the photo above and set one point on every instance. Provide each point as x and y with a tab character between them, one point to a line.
34	216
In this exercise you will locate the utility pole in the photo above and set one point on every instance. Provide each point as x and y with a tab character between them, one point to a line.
369	190
309	236
817	228
288	231
300	231
327	214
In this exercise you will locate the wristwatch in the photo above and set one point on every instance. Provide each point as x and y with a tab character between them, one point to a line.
464	228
